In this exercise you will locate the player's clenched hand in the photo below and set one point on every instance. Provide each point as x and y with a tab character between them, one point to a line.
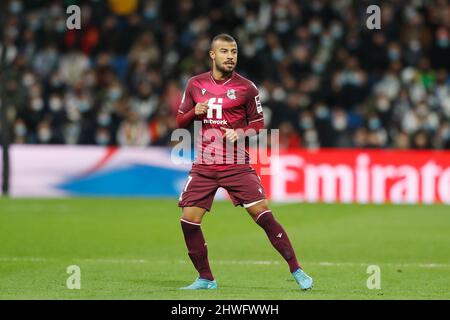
230	134
201	108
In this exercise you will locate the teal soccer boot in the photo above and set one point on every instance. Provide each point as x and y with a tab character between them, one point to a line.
200	284
304	281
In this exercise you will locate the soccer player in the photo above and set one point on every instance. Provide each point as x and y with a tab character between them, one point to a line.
228	106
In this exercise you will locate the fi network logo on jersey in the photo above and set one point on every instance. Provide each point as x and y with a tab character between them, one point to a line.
215	104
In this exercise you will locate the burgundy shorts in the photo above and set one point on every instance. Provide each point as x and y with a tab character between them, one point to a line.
241	182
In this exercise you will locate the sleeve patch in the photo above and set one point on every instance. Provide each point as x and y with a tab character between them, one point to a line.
259	108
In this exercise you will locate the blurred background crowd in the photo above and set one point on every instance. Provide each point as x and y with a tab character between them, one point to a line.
325	79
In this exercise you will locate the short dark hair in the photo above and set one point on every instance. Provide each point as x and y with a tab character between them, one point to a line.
223	36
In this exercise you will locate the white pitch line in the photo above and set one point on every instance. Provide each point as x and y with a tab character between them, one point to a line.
387	264
23	259
222	262
257	262
116	261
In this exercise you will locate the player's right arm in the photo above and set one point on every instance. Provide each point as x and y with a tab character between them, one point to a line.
188	109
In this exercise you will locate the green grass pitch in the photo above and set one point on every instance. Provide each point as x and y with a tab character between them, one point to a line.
134	249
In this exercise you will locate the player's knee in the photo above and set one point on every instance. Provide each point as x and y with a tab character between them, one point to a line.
258	207
257	212
192	215
190	218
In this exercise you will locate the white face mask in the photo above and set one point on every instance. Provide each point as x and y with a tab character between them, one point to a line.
83	105
55	104
28	80
336	31
115	93
60	26
37	104
374	123
150	12
446	134
311	136
44	135
322	112
102	139
339	123
414	45
55	10
318	66
422	110
104	119
306	123
15	7
90	80
20	130
383	104
315	28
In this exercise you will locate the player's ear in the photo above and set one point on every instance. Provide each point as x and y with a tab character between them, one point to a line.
212	54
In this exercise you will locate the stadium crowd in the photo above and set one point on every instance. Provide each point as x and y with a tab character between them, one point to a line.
325	79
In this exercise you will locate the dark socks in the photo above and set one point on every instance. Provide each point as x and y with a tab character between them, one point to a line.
279	238
197	250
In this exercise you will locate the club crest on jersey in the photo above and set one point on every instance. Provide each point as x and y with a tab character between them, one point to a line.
231	93
203	91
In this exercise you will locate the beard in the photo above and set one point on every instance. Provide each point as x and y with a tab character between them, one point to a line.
224	70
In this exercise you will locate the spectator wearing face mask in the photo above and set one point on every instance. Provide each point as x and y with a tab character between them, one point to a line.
306	59
133	131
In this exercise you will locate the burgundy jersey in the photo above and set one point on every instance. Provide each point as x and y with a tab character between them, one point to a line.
233	103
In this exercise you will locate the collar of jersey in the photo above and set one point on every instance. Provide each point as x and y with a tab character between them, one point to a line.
224	81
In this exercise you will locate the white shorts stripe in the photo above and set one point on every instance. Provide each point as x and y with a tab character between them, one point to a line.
195	224
248	205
